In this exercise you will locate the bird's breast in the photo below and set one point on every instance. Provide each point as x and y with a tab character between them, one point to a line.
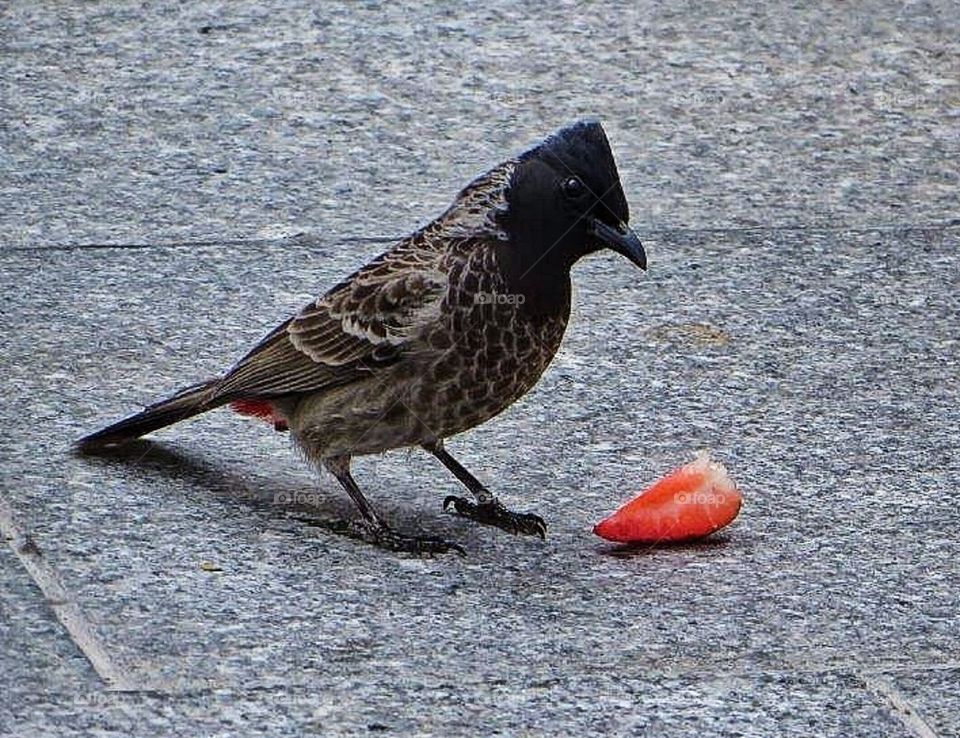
488	353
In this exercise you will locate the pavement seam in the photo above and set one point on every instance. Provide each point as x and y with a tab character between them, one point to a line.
898	704
71	617
194	244
640	230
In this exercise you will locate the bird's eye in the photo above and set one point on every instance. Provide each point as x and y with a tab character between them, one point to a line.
572	188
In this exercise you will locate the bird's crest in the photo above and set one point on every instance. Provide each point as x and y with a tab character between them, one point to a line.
479	208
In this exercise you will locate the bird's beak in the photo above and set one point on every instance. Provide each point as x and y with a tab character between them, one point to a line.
621	239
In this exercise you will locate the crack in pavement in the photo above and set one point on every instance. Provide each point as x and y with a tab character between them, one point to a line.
71	617
640	230
897	704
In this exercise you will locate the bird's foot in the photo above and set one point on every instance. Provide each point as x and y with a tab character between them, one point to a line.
494	513
385	537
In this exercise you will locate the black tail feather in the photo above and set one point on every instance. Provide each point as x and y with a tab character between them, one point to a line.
185	404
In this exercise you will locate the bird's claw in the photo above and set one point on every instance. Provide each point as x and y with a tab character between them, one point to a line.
387	538
494	513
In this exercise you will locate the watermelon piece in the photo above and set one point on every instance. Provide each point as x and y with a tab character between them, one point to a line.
688	503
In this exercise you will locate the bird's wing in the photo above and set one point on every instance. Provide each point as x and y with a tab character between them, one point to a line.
363	323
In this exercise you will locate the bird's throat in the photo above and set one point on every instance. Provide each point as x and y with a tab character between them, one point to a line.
540	286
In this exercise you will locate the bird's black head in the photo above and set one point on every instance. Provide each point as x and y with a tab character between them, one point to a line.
565	201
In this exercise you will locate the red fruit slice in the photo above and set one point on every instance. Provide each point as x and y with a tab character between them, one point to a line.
690	502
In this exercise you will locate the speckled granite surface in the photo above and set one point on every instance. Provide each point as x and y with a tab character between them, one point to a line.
794	173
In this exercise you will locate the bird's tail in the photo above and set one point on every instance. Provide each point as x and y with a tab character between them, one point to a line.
185	404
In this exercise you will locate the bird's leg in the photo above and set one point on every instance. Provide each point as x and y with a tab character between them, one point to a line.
371	529
487	509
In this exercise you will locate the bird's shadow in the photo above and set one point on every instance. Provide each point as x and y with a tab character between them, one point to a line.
638	550
272	498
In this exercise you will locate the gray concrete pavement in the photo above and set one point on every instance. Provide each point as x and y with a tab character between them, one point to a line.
795	177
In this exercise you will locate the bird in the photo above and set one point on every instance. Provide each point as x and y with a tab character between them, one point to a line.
441	332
